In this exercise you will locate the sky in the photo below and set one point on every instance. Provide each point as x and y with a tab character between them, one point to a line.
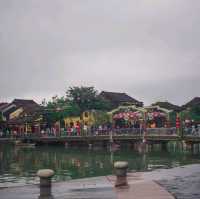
149	49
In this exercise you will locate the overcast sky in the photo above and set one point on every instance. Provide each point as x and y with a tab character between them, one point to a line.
149	49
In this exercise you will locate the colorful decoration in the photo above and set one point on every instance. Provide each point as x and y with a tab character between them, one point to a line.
127	115
138	115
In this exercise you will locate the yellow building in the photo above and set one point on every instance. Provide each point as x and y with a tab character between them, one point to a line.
16	113
71	121
87	117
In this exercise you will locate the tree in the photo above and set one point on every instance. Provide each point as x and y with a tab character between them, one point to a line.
101	117
86	98
59	108
191	113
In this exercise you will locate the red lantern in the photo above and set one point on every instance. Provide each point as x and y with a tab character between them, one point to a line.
178	123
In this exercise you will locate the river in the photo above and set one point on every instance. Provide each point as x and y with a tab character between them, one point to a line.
18	166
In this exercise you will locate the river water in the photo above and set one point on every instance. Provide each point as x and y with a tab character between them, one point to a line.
18	166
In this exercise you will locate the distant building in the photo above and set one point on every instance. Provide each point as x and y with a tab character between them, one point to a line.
168	106
117	99
87	117
6	110
2	105
29	106
18	107
193	103
24	116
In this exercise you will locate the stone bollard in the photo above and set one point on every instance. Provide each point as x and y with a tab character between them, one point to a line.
45	183
120	171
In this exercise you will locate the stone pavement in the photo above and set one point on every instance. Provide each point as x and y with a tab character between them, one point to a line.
139	188
93	188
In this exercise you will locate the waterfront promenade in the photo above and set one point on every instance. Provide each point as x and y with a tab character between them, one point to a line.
94	188
179	182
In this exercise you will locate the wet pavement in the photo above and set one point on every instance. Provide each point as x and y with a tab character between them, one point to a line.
182	182
92	188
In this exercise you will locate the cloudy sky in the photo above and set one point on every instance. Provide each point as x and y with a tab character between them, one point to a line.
149	49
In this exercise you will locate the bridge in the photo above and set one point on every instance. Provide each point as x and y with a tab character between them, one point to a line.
115	135
151	136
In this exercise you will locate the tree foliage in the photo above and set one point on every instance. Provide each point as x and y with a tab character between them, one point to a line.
101	117
59	108
76	101
86	98
192	113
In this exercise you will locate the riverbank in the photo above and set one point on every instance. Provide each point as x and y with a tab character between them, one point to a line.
179	182
183	182
93	188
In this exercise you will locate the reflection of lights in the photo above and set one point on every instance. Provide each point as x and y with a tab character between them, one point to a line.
73	161
86	165
101	165
77	163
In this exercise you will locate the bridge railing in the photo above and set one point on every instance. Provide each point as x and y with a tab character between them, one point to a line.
161	131
127	131
192	131
105	132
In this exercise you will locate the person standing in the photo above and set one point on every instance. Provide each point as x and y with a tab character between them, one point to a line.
85	128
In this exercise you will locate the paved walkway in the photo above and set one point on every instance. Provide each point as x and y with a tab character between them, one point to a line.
140	189
93	188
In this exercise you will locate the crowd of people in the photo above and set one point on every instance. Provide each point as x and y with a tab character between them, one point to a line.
76	130
191	128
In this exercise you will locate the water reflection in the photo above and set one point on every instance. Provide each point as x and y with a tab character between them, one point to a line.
18	166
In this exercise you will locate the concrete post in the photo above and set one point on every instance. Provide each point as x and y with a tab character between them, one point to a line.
45	176
120	171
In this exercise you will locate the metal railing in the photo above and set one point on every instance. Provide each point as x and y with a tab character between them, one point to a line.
192	131
162	131
97	132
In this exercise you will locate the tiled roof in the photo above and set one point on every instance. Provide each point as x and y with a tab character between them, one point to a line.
118	97
24	102
3	105
194	102
28	106
168	105
9	111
